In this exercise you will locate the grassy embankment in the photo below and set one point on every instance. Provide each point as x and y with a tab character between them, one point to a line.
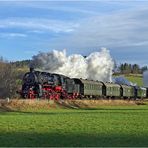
101	126
134	78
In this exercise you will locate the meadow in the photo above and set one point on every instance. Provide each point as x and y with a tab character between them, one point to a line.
115	126
135	79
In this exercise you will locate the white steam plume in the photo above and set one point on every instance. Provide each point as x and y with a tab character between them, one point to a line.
97	66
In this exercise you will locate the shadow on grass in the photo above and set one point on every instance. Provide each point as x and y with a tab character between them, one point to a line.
117	109
70	140
4	110
78	112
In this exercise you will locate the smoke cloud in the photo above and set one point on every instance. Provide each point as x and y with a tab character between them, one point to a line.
97	66
122	80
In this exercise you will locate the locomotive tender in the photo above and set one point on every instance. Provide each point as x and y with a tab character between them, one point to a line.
37	84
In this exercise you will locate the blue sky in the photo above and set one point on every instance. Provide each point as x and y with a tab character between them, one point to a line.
81	27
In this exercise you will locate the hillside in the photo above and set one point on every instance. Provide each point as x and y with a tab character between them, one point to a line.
134	78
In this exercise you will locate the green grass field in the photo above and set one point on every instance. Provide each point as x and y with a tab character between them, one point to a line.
135	79
104	126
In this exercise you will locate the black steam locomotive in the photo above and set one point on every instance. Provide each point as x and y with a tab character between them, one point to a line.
37	84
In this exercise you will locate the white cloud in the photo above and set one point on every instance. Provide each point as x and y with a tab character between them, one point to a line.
54	5
36	31
12	35
39	24
125	28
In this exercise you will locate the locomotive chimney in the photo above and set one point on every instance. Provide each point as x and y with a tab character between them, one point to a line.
31	69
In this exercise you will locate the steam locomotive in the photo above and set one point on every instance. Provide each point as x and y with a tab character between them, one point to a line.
38	84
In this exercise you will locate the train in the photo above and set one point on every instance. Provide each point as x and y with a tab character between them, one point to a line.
52	86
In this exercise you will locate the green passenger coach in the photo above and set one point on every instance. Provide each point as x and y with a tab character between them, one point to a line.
141	92
127	91
90	88
111	90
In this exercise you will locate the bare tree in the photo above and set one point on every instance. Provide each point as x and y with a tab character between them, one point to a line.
7	80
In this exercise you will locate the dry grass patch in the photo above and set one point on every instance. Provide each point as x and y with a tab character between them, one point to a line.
97	103
20	104
16	104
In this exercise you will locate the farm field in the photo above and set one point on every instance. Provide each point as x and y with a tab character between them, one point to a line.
103	126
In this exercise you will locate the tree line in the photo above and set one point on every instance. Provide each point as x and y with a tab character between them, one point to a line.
20	64
126	68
